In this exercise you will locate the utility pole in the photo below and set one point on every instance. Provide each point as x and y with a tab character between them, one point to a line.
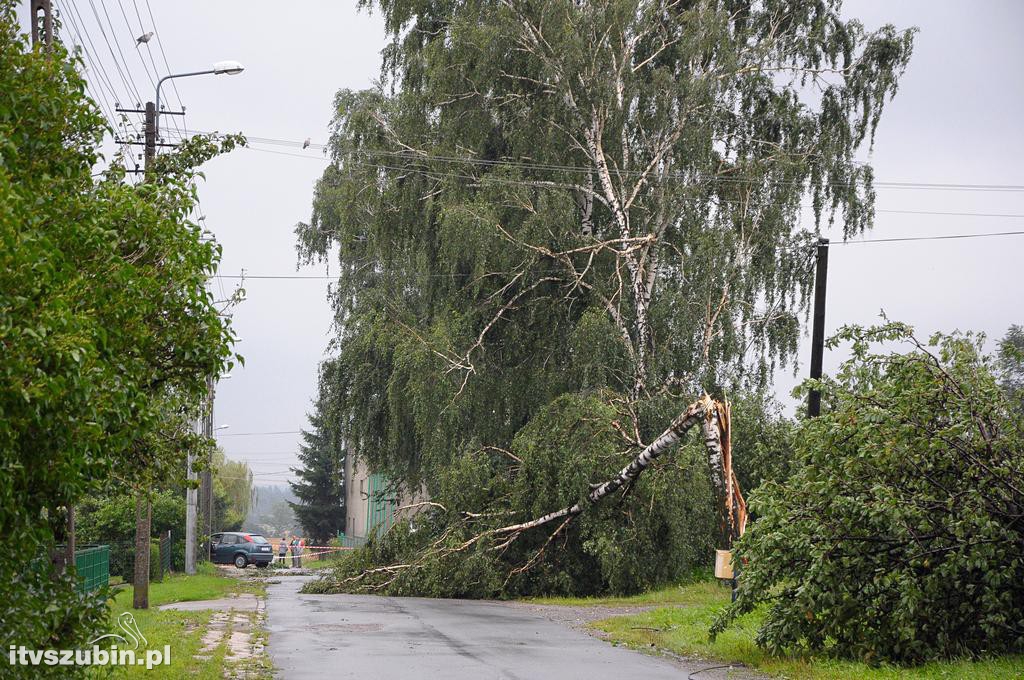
206	486
191	494
36	8
143	509
43	8
150	154
818	329
205	495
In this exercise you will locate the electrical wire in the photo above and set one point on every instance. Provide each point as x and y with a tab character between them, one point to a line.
944	186
163	54
502	180
553	271
138	46
129	82
103	80
149	50
256	434
928	238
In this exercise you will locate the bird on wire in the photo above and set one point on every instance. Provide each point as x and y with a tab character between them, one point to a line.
144	38
305	144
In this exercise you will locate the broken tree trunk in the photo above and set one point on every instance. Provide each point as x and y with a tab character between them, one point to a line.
710	414
705	410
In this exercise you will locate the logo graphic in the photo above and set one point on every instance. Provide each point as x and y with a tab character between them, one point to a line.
126	621
122	650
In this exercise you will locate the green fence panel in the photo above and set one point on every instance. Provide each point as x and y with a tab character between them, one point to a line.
351	541
93	565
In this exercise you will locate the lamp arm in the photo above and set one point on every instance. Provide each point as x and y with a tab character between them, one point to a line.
156	123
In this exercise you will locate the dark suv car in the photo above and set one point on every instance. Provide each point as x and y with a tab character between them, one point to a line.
241	549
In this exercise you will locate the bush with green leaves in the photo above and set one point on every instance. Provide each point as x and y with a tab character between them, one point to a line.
899	537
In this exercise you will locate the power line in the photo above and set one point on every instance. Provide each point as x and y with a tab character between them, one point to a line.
149	50
317	277
163	54
947	186
102	82
138	50
117	64
255	434
502	180
928	238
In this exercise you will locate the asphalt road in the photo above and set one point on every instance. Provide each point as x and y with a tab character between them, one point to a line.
384	638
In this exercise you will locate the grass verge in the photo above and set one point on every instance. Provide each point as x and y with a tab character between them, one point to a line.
181	631
682	628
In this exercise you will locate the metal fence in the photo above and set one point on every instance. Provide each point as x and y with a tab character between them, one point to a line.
166	550
351	541
122	556
93	566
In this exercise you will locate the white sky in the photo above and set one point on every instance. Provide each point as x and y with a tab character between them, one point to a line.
956	119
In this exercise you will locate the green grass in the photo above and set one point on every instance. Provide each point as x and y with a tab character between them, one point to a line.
326	563
682	628
700	593
182	631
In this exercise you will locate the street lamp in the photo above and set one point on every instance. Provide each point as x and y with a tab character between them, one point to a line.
152	135
228	67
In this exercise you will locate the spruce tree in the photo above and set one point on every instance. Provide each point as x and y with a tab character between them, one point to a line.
321	490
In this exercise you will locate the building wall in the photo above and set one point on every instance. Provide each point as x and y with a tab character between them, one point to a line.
356	506
364	510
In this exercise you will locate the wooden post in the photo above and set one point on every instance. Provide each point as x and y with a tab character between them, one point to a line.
818	330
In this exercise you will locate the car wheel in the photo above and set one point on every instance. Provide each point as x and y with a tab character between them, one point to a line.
240	561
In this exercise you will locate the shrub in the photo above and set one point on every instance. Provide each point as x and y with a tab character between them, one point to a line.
899	536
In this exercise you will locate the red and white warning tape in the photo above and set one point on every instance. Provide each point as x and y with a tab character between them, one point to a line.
330	549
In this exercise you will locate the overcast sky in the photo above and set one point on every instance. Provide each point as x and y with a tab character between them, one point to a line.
956	119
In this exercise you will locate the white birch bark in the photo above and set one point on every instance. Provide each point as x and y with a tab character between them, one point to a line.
696	413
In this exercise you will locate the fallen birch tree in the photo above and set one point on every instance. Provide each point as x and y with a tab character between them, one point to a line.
706	414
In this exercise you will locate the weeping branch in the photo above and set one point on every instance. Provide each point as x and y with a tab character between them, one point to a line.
709	414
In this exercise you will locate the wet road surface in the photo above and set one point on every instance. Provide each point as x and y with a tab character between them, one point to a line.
384	638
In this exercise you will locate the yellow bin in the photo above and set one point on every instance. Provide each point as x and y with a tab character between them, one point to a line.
723	564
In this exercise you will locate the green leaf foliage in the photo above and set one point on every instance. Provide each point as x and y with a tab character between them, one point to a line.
898	537
106	329
546	201
660	531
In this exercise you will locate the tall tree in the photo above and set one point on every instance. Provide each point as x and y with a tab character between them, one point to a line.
320	491
1010	364
554	198
233	492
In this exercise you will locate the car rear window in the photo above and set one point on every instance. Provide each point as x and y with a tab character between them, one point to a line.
258	539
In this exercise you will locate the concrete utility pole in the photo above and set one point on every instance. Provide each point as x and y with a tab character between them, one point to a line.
40	12
206	485
36	8
190	515
205	494
818	329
